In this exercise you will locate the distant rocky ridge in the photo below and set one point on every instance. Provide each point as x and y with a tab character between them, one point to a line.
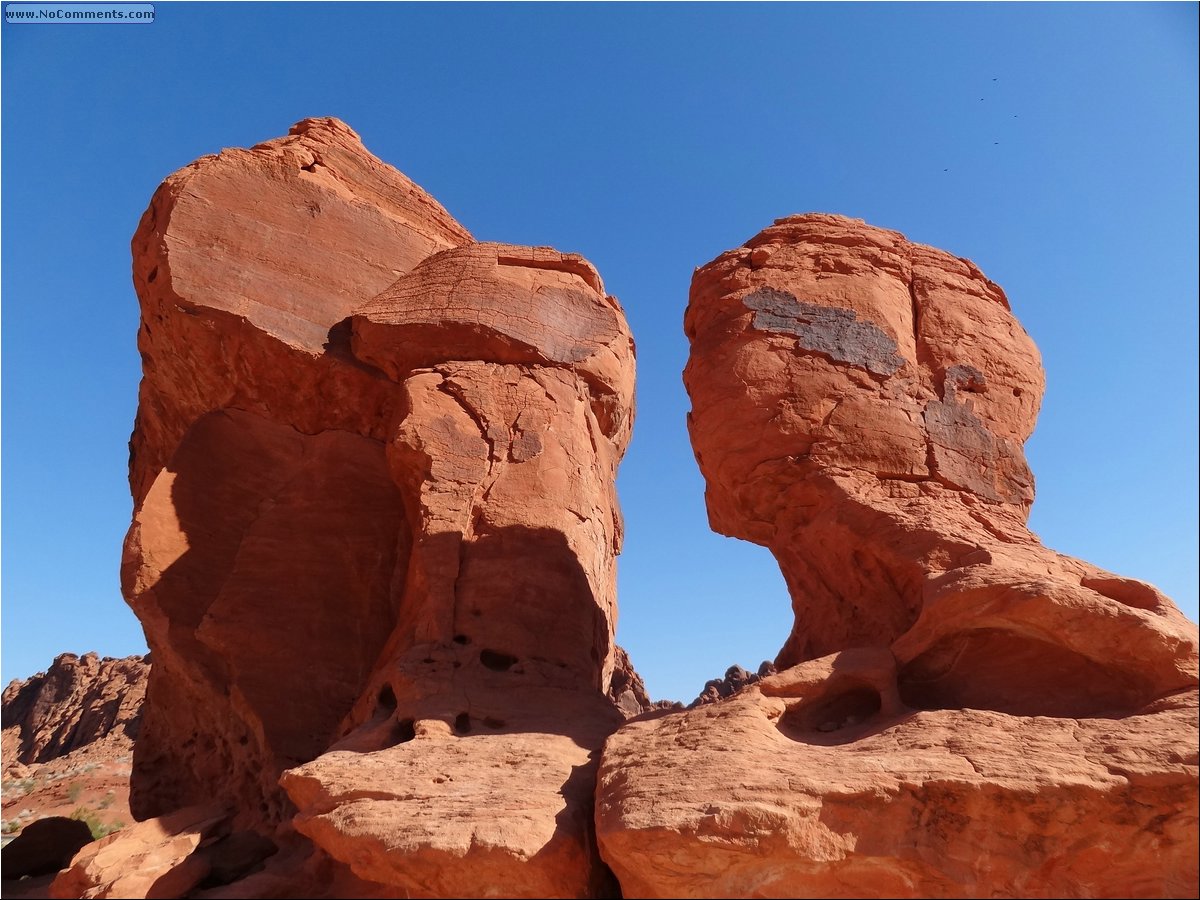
77	702
68	741
736	678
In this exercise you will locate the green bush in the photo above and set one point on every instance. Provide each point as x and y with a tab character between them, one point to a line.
95	826
75	791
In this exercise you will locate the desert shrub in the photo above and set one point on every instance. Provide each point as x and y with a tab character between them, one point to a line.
23	785
98	828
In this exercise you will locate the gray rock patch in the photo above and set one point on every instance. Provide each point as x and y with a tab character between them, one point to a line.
830	330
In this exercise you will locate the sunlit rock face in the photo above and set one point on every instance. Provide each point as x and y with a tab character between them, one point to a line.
375	526
470	759
267	528
960	711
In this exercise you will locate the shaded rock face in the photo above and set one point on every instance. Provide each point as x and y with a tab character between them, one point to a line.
77	702
959	711
375	525
627	690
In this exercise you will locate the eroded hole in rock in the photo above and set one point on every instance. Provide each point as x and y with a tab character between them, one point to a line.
496	661
822	720
462	639
462	723
387	699
994	669
153	275
311	167
402	732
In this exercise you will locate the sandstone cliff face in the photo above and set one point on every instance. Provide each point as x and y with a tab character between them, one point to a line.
961	711
375	526
267	529
79	701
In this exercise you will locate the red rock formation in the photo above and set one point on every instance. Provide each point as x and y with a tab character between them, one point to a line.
79	701
155	858
820	781
375	526
516	370
970	714
267	529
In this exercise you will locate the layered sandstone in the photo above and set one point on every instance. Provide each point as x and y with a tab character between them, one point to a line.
375	523
961	711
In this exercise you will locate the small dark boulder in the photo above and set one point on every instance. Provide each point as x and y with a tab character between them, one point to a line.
45	846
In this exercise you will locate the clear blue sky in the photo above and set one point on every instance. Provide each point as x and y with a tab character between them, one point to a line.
649	138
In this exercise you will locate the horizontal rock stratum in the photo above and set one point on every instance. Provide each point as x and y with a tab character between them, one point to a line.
960	712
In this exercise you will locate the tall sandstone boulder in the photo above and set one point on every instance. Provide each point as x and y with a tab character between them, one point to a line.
469	759
375	525
960	711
